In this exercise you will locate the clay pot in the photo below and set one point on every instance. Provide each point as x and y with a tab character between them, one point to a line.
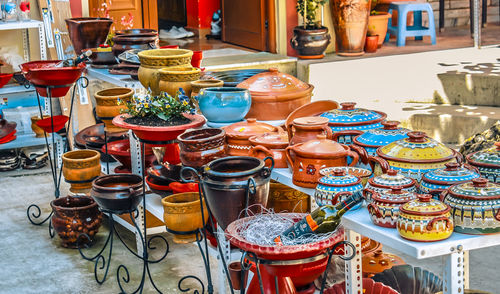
80	168
311	109
236	274
378	261
39	133
310	43
141	39
199	147
359	172
108	106
312	156
336	187
387	181
75	215
286	199
377	25
225	104
270	145
119	193
182	213
308	128
238	135
88	32
350	20
280	92
196	86
371	44
173	78
384	207
436	181
487	162
154	60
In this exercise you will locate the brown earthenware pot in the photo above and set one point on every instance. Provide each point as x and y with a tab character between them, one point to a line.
173	78
285	199
199	147
88	32
378	261
308	128
310	42
80	168
118	193
270	145
110	103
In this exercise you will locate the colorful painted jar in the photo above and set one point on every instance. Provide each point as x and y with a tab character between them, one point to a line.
372	139
384	208
436	181
488	162
386	182
425	220
331	189
348	122
359	172
475	206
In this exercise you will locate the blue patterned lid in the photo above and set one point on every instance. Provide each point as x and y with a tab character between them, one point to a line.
453	173
348	115
339	178
382	136
488	158
391	179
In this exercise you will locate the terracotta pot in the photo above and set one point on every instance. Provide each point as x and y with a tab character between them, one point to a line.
487	162
39	132
350	20
108	106
377	25
436	181
308	128
196	86
199	147
312	156
80	168
88	32
310	109
236	274
334	188
141	39
378	261
425	220
182	213
278	91
154	60
285	199
173	78
270	145
371	43
75	215
359	172
384	207
389	180
120	193
310	43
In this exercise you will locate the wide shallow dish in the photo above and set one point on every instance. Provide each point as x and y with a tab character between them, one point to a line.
120	193
120	150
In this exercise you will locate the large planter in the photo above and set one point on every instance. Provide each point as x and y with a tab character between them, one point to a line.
108	107
310	43
120	193
88	32
171	79
224	104
350	20
377	25
80	168
75	215
141	39
199	147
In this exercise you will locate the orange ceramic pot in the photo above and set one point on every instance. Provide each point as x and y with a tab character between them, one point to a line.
80	168
285	199
108	106
308	128
378	261
270	145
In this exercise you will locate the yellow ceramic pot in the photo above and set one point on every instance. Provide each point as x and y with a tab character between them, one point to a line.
182	213
154	60
107	106
39	133
80	168
173	78
196	86
285	199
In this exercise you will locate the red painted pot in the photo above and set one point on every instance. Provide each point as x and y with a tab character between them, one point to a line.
120	150
4	79
196	59
46	124
9	137
371	44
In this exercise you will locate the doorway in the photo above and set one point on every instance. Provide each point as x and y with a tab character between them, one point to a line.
171	13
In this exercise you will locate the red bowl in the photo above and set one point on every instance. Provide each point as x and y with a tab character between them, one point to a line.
196	59
120	150
4	79
46	123
44	73
169	47
9	137
161	190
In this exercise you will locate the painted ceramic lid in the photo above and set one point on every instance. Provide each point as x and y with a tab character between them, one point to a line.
310	121
348	115
396	195
272	140
320	147
339	178
248	128
416	148
477	189
275	83
487	158
378	261
382	136
425	205
390	179
453	173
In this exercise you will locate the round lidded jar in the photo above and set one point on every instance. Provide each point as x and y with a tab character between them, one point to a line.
238	135
487	162
384	208
374	138
307	128
387	181
336	187
270	144
440	179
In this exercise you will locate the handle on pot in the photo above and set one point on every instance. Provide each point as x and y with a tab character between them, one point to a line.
272	164
329	132
288	153
458	156
335	199
430	225
373	160
355	157
251	189
363	155
290	131
497	216
374	210
192	172
471	167
259	148
438	193
368	193
336	136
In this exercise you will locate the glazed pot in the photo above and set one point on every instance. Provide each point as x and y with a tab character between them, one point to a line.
307	159
196	86
350	20
39	133
110	103
182	214
307	128
487	162
80	168
425	220
119	193
224	104
199	147
475	206
278	91
286	199
377	25
334	188
359	172
374	138
173	78
438	180
75	215
384	207
154	60
120	150
88	32
102	57
238	135
371	43
270	145
378	261
237	275
389	180
348	122
309	42
140	39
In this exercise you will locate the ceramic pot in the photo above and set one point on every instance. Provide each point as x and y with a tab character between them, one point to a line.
487	162
377	25
270	145
425	220
475	206
348	122
310	43
196	86
236	272
80	168
199	147
278	91
238	135
102	57
285	199
307	128
334	188
39	133
310	157
119	193
315	108
120	150
371	44
88	32
225	104
384	207
350	20
389	180
374	138
436	181
108	106
182	213
173	78
359	172
139	39
154	60
378	261
75	215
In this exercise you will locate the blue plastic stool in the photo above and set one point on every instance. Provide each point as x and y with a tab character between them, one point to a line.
417	30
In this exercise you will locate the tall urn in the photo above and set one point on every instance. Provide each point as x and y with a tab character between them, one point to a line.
350	19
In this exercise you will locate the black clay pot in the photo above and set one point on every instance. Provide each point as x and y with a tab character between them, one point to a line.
310	43
119	193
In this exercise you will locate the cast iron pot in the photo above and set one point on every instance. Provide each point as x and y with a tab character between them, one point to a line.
119	193
310	43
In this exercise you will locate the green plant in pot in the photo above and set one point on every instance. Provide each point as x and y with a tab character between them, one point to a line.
377	25
310	39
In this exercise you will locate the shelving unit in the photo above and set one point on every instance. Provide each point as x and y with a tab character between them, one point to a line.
28	140
118	80
25	25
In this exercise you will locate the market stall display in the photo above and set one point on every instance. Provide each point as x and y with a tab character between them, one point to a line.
487	162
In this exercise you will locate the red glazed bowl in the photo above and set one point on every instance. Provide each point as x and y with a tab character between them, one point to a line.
44	73
9	137
46	123
120	150
4	79
161	190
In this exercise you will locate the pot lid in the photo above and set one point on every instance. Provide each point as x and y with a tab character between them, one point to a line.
275	83
310	121
339	178
273	140
390	179
378	261
489	158
248	128
396	195
416	148
320	147
478	189
425	205
382	136
451	174
348	115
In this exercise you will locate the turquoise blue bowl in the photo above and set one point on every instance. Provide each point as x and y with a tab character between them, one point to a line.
224	104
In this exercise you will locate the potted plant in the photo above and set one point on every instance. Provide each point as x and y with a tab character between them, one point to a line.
377	25
350	20
310	39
